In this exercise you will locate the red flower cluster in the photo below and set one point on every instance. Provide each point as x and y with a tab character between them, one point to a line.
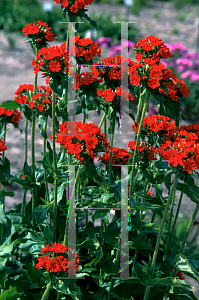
109	70
39	33
84	48
179	274
157	123
87	80
153	74
51	60
88	143
181	148
16	116
120	156
148	152
109	95
58	263
180	145
151	50
77	5
2	146
40	100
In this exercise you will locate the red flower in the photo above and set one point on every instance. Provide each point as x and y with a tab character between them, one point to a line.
39	33
87	144
78	4
57	263
40	100
2	146
54	66
179	274
14	114
50	60
120	156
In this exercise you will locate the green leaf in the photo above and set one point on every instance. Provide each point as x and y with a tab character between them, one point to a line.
181	263
4	193
9	104
139	272
47	162
69	287
168	281
5	249
97	245
126	290
110	239
33	272
48	233
144	95
191	191
2	263
146	206
42	121
6	232
100	214
110	110
3	218
109	267
10	294
40	214
56	85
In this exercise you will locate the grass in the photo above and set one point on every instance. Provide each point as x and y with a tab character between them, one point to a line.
157	14
182	17
175	30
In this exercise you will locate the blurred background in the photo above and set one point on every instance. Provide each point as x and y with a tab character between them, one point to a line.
176	22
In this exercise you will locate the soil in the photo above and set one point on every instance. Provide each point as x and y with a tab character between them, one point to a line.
15	65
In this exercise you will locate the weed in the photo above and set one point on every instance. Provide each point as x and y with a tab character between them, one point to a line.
175	30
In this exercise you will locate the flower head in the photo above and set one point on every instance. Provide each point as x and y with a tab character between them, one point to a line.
39	34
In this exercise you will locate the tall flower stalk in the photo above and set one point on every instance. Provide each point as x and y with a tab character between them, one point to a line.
145	105
160	232
33	152
25	159
55	170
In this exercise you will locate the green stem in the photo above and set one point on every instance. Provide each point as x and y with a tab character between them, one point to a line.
33	163
83	121
55	170
105	135
45	175
59	296
183	244
67	201
110	294
144	195
48	288
25	159
33	151
4	136
136	146
111	143
102	120
177	213
160	234
189	227
4	139
169	226
86	217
